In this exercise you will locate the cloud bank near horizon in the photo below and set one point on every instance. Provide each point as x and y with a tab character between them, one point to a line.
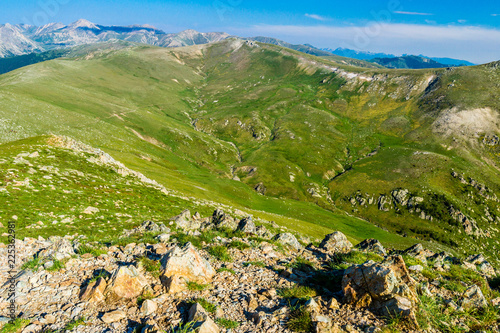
472	43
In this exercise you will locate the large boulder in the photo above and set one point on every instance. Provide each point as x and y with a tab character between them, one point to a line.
150	226
372	245
288	239
126	282
183	264
386	287
221	220
247	226
336	243
60	248
473	298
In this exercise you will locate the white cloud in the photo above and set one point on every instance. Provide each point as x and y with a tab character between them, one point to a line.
476	44
462	21
495	15
316	17
412	13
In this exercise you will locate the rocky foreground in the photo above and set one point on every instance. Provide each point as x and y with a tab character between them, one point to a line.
221	274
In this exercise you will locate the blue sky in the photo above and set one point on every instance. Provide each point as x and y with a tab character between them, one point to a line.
444	28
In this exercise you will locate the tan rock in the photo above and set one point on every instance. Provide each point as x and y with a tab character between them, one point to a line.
197	313
94	291
385	287
113	316
336	243
126	282
148	307
333	304
184	264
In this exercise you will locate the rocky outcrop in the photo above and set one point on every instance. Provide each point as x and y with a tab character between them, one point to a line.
94	291
221	220
371	245
247	226
59	249
385	287
473	298
184	264
336	243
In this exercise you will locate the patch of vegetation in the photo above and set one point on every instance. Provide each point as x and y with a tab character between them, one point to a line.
299	320
95	251
33	264
302	264
297	291
220	253
75	323
183	328
225	269
238	245
145	296
57	265
345	260
255	263
100	274
15	326
227	323
151	266
193	286
209	307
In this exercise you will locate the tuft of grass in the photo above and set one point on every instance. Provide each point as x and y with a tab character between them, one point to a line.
95	251
220	252
33	264
101	274
344	260
238	245
193	286
151	266
75	323
227	323
225	269
58	264
209	307
300	292
255	263
302	264
15	326
143	297
183	328
300	320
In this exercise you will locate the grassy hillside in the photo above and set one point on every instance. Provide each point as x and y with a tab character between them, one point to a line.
287	136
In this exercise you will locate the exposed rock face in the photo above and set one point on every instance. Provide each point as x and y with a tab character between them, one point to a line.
148	307
473	298
372	245
287	238
246	225
126	282
336	243
401	196
59	249
385	287
182	264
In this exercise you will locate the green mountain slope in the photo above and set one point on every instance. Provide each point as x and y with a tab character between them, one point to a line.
295	138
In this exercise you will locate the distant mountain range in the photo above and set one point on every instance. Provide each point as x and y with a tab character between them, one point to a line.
21	39
405	60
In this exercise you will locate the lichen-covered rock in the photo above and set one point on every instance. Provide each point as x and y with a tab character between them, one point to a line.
386	287
150	226
126	282
473	298
336	243
182	264
247	226
148	307
113	316
221	220
372	245
288	239
185	222
418	252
